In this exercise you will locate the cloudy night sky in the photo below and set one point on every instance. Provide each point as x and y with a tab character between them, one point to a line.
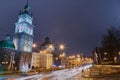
79	24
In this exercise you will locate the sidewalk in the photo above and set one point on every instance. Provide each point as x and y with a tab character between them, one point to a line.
9	72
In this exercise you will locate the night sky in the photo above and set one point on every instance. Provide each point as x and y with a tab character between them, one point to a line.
79	24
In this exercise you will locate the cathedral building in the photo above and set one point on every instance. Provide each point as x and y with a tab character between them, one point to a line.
43	59
46	54
17	54
7	54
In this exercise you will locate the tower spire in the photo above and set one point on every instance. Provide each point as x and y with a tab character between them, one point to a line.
26	8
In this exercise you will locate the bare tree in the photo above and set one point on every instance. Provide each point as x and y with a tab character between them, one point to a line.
111	42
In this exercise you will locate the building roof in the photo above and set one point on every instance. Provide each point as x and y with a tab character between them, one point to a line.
7	43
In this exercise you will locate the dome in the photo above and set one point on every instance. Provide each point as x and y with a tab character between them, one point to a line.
6	43
47	45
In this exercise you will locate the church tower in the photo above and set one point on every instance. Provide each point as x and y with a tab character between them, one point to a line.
23	36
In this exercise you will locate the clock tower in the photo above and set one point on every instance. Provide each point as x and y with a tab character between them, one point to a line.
23	36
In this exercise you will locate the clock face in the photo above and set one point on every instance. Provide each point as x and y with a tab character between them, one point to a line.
28	30
24	25
27	45
28	20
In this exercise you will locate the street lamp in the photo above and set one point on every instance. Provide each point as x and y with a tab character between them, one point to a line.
78	55
105	53
51	46
119	53
61	47
34	45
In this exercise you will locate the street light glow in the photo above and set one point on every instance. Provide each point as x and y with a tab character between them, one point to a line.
61	47
78	55
51	46
119	52
34	45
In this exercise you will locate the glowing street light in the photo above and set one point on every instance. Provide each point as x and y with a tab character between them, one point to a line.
51	46
119	53
78	55
105	53
61	47
34	45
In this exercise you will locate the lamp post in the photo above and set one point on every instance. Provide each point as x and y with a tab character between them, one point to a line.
34	45
62	48
51	48
62	53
